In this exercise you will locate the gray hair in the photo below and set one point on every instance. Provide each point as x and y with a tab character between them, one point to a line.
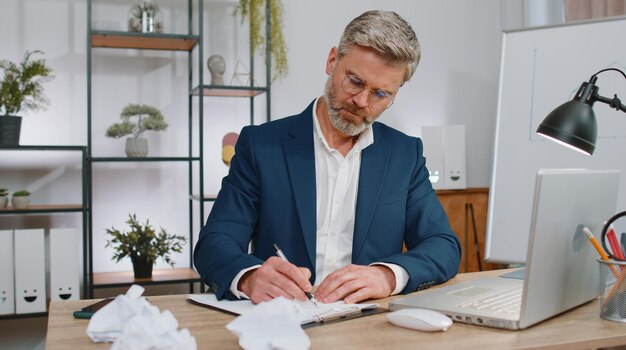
388	34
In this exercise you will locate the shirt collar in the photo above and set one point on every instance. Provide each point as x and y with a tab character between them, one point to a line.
365	139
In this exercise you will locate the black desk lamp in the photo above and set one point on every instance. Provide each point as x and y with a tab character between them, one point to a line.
573	124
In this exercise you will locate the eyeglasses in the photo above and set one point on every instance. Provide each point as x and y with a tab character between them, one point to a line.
378	99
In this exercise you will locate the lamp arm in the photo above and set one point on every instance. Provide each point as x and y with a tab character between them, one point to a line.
614	102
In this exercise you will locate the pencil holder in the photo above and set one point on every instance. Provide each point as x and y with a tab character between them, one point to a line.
613	282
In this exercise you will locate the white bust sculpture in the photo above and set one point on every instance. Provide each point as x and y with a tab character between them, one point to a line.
217	67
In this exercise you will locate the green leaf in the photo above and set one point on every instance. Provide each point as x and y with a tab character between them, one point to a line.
143	241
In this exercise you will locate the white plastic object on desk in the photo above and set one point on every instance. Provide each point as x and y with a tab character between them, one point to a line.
420	319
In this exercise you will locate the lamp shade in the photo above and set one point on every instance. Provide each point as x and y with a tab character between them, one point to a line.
572	124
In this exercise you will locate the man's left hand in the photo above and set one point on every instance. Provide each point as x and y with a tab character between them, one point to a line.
355	283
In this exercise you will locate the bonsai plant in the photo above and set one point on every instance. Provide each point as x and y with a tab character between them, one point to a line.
136	119
4	197
254	11
21	199
21	89
143	245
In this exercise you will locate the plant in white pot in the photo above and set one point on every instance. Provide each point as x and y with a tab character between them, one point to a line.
20	199
21	90
136	119
4	197
143	245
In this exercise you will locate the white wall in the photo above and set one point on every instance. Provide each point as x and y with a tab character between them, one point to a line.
455	83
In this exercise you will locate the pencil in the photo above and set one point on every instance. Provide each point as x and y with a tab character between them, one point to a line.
601	251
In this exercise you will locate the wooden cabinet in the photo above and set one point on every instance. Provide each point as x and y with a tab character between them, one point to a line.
467	213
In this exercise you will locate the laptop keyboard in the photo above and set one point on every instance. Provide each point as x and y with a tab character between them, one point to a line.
508	302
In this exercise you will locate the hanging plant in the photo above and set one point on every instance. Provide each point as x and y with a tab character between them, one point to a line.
254	11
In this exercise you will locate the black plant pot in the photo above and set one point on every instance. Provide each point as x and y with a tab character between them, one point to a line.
142	268
10	130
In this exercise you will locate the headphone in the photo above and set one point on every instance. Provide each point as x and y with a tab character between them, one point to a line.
605	229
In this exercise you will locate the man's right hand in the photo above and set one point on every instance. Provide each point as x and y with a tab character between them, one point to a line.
276	278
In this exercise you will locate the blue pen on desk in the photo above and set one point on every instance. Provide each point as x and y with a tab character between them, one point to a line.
284	257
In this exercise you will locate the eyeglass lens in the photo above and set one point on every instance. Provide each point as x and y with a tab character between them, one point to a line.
379	99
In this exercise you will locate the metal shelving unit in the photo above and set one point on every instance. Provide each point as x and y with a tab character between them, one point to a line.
193	45
143	41
250	91
55	209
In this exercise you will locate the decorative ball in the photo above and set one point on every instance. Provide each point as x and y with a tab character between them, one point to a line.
228	147
227	154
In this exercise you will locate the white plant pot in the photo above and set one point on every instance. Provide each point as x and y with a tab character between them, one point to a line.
136	147
4	200
21	202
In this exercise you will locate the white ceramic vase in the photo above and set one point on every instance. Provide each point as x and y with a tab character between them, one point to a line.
136	147
21	202
4	201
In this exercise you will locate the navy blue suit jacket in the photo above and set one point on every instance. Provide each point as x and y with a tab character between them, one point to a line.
269	197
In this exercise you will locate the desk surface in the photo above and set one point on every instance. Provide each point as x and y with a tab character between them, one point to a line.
578	328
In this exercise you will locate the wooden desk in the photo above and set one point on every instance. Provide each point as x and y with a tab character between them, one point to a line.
576	329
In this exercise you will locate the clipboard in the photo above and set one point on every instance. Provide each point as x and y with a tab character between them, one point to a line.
329	316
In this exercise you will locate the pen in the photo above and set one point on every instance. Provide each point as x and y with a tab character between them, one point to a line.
332	315
623	241
284	257
601	251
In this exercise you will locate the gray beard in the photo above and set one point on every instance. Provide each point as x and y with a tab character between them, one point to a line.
343	126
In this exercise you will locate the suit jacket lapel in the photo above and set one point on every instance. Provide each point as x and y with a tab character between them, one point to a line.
301	164
372	174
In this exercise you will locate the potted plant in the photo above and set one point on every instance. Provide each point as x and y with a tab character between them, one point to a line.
143	245
136	119
254	11
21	89
4	197
21	199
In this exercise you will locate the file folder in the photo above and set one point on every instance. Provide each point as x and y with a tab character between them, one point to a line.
7	283
63	263
30	271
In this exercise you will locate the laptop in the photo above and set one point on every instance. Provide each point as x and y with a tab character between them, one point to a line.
561	269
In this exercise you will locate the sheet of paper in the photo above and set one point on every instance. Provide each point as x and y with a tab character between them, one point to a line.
308	310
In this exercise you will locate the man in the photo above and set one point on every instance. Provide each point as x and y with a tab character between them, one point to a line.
337	192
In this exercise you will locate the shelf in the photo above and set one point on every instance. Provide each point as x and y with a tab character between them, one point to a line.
144	159
161	276
49	208
43	148
15	316
40	157
129	40
229	91
205	198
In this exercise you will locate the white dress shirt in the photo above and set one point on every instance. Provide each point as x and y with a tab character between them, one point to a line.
337	183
